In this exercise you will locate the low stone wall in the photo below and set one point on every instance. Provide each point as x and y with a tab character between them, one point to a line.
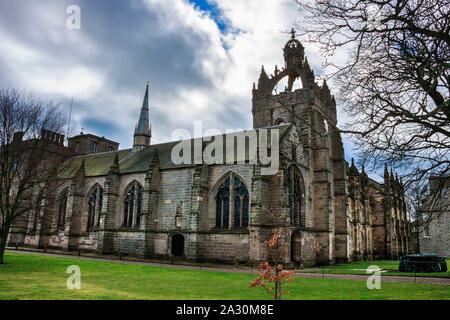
129	242
224	247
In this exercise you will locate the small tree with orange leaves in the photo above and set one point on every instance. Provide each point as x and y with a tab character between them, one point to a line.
269	274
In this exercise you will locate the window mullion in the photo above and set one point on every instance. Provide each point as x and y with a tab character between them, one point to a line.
242	211
231	204
133	223
222	212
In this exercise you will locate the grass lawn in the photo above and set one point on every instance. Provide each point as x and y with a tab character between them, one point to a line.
383	264
41	277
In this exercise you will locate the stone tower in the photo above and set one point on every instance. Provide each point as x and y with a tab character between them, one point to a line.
312	112
143	131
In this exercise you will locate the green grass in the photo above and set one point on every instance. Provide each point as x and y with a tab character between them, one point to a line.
42	277
348	268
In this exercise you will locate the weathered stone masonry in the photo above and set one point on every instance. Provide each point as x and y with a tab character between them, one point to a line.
147	206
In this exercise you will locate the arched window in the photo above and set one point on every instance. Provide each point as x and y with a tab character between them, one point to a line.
95	202
132	205
239	206
223	204
296	196
62	208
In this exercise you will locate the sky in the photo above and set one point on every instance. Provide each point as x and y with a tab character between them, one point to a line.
200	57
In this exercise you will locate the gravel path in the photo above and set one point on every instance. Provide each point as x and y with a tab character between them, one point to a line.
427	280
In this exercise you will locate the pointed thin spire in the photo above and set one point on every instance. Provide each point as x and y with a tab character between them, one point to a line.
142	126
142	132
145	102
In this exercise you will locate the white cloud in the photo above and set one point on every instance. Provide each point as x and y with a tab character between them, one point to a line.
196	72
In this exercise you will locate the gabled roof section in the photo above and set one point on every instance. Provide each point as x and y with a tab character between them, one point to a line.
96	164
130	162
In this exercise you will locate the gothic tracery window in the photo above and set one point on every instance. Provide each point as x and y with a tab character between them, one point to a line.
232	197
295	189
95	202
132	205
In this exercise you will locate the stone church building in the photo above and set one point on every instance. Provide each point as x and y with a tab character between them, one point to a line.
139	202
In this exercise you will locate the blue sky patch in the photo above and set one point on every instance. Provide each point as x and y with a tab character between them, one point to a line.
213	11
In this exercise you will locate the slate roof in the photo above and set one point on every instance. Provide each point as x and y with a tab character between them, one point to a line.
98	164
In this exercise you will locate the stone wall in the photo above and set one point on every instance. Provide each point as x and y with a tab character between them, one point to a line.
438	241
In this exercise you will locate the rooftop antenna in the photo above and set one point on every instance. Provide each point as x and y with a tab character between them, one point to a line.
68	123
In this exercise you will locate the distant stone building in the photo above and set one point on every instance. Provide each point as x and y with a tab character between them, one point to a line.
433	229
89	143
139	202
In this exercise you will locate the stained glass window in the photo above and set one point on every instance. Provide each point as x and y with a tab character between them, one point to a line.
95	203
239	205
133	205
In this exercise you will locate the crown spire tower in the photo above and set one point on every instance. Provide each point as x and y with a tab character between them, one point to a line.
143	131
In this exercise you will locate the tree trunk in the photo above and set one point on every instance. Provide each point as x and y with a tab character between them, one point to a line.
277	285
279	290
3	238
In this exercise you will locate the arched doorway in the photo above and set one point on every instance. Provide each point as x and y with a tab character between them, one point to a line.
177	245
296	248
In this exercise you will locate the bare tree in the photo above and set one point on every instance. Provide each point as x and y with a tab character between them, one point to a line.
271	274
395	83
27	171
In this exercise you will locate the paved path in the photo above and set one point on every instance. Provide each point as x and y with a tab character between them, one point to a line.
428	280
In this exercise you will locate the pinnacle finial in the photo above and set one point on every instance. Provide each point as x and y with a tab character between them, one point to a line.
155	158
386	172
82	168
292	33
115	168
